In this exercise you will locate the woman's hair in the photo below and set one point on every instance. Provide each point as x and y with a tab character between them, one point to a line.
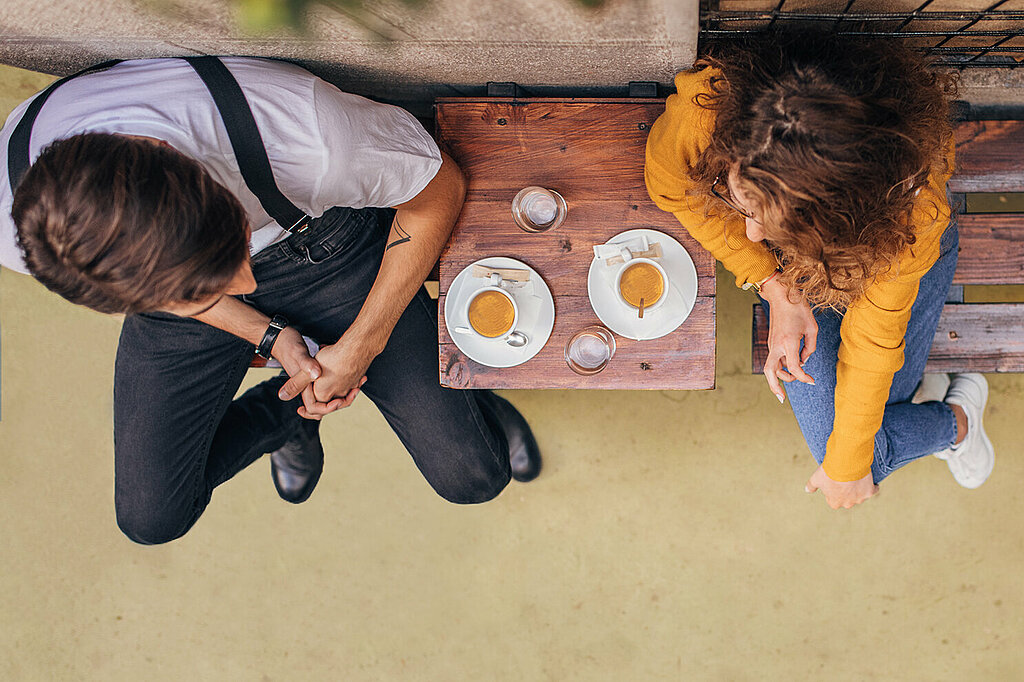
127	225
831	137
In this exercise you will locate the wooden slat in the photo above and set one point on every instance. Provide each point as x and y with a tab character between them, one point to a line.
518	101
677	361
988	156
991	248
485	228
758	339
971	337
584	149
988	152
592	151
979	337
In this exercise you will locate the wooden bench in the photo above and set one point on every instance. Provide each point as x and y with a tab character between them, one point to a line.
974	337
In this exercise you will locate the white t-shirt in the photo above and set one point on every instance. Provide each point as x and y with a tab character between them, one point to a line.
326	147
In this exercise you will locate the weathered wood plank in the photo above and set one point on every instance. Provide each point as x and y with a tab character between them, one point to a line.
683	359
592	151
979	337
991	248
484	99
988	156
561	256
758	339
988	152
971	337
583	149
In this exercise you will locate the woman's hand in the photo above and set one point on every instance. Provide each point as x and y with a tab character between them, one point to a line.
789	323
843	494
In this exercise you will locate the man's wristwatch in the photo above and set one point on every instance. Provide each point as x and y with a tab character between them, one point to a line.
270	336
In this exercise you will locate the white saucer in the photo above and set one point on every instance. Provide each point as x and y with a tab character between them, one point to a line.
622	319
536	315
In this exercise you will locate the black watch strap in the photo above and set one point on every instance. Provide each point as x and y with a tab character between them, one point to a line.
267	344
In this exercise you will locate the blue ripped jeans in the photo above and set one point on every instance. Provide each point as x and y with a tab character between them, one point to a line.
908	431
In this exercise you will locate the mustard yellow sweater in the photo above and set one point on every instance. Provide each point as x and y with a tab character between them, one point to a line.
871	349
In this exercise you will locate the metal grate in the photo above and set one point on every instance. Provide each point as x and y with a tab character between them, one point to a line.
993	36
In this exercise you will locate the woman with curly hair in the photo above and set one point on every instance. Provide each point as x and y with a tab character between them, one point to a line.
815	167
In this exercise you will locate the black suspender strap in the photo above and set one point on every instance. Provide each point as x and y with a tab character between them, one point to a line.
247	142
18	145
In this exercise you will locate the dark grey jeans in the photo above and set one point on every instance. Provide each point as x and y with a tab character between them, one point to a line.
178	432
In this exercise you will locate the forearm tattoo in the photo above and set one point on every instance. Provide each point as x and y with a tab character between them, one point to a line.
402	237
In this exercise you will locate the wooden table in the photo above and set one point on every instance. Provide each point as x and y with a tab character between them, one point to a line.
592	152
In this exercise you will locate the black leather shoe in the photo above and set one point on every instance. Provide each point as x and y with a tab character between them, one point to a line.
296	466
523	451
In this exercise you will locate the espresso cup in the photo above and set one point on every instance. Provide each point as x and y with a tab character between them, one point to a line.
635	285
492	313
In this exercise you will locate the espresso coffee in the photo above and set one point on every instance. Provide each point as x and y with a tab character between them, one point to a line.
641	281
491	313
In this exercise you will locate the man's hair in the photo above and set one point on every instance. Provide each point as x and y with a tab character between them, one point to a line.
127	225
831	138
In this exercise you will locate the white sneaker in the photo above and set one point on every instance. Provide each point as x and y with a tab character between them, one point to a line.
972	460
933	387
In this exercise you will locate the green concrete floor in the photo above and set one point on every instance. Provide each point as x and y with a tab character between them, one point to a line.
669	538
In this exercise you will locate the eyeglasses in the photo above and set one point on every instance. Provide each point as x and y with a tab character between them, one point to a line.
727	199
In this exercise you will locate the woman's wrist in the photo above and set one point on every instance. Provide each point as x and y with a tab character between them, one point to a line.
774	290
758	285
769	278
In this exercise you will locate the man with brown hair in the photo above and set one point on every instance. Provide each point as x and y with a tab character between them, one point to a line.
231	204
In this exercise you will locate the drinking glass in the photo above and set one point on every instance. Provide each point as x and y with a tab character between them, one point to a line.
589	350
536	209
